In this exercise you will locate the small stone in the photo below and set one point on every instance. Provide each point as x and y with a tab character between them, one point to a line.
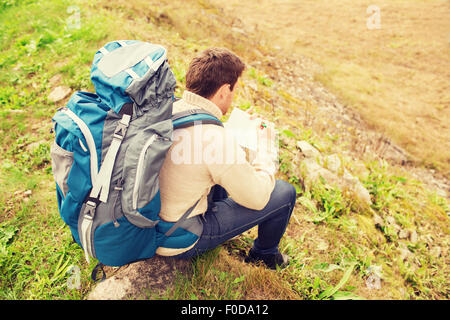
393	224
56	79
113	289
403	234
362	194
441	193
378	220
413	236
239	30
322	246
59	93
33	146
390	220
253	86
349	179
404	253
373	282
436	252
307	149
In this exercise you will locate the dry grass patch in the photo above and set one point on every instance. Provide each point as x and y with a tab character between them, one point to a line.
397	77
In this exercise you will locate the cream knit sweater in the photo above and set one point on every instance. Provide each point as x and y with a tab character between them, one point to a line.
205	155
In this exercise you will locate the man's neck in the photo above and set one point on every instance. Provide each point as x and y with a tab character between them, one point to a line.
217	103
203	103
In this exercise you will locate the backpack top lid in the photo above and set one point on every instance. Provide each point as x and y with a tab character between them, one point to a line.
122	72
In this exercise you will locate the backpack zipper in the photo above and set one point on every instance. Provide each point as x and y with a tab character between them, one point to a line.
139	168
118	187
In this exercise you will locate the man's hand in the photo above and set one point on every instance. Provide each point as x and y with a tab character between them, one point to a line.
265	132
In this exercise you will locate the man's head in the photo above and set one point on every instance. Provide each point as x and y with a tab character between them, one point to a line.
213	75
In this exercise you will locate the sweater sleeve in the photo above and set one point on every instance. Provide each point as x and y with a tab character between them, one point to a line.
250	185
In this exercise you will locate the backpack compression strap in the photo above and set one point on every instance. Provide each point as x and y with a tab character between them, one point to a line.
100	189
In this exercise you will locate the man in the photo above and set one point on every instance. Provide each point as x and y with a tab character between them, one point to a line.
205	157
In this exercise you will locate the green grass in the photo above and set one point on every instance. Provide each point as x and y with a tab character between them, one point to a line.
36	247
333	242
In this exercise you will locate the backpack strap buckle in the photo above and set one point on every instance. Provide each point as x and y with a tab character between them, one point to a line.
89	210
86	227
122	126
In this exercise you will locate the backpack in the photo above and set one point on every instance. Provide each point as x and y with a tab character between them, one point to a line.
108	150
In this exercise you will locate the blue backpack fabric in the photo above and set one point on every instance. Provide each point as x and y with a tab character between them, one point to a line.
108	150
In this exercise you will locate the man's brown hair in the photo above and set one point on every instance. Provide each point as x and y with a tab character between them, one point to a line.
211	69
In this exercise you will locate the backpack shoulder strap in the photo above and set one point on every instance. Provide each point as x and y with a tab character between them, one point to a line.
194	117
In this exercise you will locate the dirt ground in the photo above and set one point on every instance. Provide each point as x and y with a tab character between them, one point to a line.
389	61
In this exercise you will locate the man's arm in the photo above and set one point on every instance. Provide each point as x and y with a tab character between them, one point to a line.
250	185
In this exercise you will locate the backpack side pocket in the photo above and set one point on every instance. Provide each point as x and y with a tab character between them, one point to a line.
143	160
62	161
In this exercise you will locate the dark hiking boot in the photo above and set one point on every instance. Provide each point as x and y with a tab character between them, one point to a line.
270	260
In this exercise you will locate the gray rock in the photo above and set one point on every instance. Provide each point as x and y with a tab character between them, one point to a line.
362	193
59	93
436	252
393	224
314	171
111	289
378	221
333	163
55	80
390	220
140	280
404	253
413	236
403	234
307	149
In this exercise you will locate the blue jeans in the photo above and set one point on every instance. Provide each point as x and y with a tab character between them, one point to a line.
226	219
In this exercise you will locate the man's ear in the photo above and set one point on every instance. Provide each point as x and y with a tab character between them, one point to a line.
224	90
221	97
